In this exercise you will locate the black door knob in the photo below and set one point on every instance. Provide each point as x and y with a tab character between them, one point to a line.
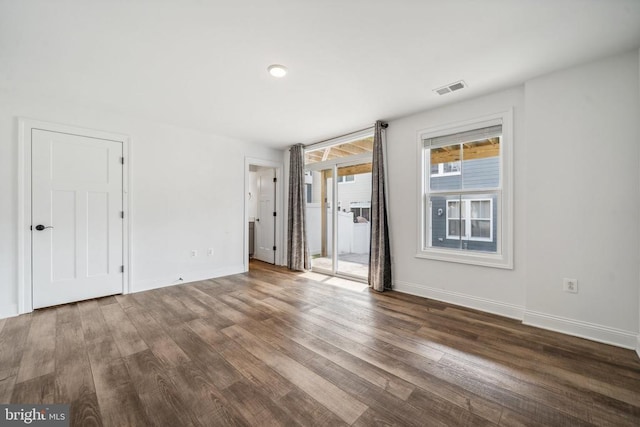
41	227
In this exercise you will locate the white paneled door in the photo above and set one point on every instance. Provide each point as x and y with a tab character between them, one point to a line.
266	221
77	228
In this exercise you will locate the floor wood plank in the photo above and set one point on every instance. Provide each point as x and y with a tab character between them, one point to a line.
208	404
124	333
163	403
74	378
119	402
161	344
12	341
38	390
274	347
255	406
376	376
254	370
307	411
39	349
340	403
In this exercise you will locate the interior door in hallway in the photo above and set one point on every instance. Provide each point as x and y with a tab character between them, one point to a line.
77	227
266	219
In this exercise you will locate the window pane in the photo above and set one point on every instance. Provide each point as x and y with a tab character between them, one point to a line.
481	163
470	224
462	181
475	209
485	209
454	227
451	167
309	193
447	158
453	209
480	228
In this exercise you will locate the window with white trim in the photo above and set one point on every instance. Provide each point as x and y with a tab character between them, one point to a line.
470	219
466	192
445	169
360	209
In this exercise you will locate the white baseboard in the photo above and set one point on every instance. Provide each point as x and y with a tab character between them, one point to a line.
590	331
8	310
490	306
578	328
147	285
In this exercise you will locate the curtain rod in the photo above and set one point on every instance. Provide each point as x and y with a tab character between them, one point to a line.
384	126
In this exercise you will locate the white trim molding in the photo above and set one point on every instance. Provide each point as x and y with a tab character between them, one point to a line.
503	256
512	311
578	328
25	127
279	207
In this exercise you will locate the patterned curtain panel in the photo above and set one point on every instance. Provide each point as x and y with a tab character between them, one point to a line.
380	255
297	247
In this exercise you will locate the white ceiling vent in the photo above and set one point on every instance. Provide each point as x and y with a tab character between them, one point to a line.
451	87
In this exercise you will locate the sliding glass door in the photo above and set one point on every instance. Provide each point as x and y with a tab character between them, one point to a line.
338	189
353	201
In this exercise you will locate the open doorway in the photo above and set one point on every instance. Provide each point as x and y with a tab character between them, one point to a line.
263	212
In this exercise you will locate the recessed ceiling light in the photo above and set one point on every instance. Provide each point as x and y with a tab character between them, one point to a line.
277	70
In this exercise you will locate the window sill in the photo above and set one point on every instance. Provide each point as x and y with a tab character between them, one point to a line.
481	259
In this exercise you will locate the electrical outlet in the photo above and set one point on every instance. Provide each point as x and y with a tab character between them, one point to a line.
210	251
570	285
194	253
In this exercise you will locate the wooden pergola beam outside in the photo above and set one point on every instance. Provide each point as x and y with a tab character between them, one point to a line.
482	150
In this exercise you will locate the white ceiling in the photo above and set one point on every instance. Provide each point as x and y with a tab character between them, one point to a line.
202	64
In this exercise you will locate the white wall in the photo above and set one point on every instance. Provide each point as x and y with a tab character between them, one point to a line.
491	289
187	193
583	204
576	203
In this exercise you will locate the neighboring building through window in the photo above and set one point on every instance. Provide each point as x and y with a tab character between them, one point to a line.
362	210
309	192
470	219
445	169
466	193
308	186
346	178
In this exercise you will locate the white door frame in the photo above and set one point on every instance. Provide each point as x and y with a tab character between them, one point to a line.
25	127
248	162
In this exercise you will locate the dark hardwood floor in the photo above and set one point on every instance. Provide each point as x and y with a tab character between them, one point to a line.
272	348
